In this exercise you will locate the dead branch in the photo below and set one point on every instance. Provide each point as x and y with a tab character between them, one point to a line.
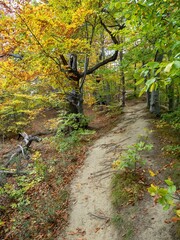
28	139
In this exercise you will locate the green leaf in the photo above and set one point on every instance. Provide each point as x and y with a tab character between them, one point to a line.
117	5
150	82
153	64
158	71
163	191
169	182
142	91
172	189
177	64
14	205
139	81
166	207
168	67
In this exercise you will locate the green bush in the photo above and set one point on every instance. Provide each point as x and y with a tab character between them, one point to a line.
173	119
72	131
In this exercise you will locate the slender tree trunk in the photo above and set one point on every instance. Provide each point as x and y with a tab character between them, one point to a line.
170	90
148	97
122	81
177	98
148	94
106	86
123	89
135	87
81	87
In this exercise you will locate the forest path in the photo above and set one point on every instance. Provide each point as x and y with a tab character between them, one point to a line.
91	208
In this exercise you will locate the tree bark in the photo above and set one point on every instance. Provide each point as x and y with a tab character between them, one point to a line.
135	87
122	81
154	103
170	93
154	100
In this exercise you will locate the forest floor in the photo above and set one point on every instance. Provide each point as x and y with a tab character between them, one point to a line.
91	210
88	172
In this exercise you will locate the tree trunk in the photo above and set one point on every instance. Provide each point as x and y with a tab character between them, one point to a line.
135	87
177	99
170	90
148	98
123	89
75	97
154	101
122	81
73	100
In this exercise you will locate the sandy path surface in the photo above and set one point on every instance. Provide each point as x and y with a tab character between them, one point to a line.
91	207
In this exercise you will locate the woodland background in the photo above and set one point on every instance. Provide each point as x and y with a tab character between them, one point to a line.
63	59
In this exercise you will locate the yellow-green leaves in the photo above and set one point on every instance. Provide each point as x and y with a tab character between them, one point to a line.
163	195
153	190
168	67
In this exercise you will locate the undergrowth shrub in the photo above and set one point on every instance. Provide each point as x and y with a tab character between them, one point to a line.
173	119
72	130
128	186
132	159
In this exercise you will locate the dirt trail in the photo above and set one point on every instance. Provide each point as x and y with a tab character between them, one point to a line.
91	208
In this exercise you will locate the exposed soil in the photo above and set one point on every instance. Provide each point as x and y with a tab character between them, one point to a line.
90	206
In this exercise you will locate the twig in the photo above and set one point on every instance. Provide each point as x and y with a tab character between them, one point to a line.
104	169
123	140
22	150
103	173
12	173
106	176
100	217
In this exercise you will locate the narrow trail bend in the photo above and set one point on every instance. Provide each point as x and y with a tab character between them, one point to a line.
91	207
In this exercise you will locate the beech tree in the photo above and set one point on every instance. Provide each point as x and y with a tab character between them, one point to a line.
151	43
53	42
49	50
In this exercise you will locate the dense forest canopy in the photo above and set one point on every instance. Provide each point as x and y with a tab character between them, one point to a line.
58	52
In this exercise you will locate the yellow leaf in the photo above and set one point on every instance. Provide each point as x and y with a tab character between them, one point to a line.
178	213
2	223
152	87
152	174
154	187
